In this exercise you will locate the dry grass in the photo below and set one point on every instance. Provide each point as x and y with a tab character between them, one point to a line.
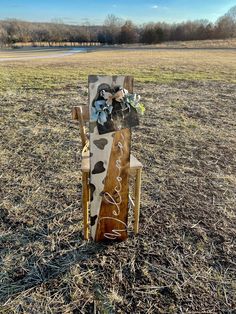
145	66
183	261
208	43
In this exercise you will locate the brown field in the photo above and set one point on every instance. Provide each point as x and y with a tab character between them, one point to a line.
208	43
184	259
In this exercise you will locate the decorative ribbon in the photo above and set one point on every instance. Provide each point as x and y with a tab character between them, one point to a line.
102	108
118	96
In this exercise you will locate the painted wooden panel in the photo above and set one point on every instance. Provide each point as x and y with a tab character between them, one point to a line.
109	164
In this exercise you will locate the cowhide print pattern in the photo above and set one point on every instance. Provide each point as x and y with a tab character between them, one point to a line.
98	166
100	151
101	143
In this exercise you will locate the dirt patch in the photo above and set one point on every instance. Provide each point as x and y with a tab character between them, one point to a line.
184	259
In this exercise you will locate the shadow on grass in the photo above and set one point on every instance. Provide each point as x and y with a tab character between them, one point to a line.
45	270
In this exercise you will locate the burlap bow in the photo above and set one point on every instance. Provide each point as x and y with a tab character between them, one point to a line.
117	96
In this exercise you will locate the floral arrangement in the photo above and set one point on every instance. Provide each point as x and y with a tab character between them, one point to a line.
111	102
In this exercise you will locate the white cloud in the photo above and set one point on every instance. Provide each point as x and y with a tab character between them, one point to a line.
155	6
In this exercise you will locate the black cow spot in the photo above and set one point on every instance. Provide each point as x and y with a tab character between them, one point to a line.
104	86
101	143
93	219
98	168
92	189
93	78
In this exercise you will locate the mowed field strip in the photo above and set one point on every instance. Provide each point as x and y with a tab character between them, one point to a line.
183	261
26	54
146	66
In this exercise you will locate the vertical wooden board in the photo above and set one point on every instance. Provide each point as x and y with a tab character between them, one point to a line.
113	216
109	164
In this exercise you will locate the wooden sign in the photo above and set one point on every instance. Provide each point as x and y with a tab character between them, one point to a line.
109	160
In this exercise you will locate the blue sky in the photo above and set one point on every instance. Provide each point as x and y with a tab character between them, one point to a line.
95	11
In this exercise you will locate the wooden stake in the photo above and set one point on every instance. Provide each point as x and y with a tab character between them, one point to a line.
85	199
137	200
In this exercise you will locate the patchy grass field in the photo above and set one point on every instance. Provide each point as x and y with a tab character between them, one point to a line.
184	259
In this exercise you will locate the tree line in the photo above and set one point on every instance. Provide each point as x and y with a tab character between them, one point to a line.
116	31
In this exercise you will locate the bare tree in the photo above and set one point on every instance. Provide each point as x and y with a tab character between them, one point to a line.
152	34
112	27
232	13
128	33
3	36
225	27
116	31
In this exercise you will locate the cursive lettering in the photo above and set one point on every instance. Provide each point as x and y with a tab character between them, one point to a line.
115	233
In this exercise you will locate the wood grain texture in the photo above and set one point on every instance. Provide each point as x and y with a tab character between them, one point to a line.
113	217
108	218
